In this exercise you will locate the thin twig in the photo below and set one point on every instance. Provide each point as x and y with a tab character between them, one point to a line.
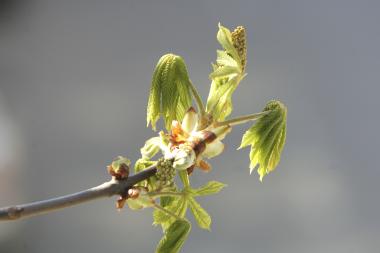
107	189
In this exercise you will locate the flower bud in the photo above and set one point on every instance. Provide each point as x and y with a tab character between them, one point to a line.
119	168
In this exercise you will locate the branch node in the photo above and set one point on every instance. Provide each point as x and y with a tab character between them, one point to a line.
14	212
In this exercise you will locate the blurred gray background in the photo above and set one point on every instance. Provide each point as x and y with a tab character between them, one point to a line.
74	79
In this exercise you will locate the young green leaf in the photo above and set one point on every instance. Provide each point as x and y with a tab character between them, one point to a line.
120	166
211	187
151	148
142	201
170	94
178	206
141	165
227	72
267	138
224	37
201	216
174	237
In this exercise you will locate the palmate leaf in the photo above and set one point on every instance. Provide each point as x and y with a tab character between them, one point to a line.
267	138
170	94
227	72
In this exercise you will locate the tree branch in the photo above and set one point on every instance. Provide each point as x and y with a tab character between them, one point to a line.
107	189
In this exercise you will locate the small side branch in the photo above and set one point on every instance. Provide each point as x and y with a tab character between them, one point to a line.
107	189
241	120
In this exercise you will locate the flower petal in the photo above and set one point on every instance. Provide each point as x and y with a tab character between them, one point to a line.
190	120
184	157
213	149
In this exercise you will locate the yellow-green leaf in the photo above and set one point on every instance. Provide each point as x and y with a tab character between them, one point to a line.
226	76
141	165
174	237
201	216
267	138
120	161
151	147
225	39
211	187
142	201
178	206
170	94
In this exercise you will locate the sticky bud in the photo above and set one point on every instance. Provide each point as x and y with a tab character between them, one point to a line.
119	168
133	193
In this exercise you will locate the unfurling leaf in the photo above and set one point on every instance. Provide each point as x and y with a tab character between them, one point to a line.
267	138
211	187
227	72
170	94
174	237
154	145
119	168
151	148
201	216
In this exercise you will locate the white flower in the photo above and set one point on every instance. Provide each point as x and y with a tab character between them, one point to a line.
188	146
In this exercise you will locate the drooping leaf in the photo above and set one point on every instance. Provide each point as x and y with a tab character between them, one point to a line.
170	94
227	72
211	187
201	216
174	237
267	138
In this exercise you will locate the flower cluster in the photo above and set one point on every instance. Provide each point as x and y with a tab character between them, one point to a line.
239	41
165	171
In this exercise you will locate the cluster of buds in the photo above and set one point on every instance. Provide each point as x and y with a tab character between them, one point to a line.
239	40
165	171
